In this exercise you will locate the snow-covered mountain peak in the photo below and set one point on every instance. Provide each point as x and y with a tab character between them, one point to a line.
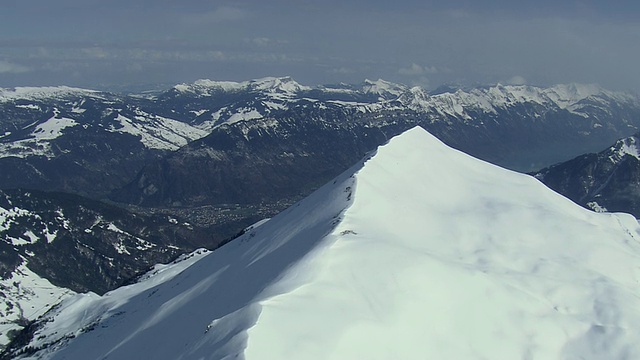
277	84
385	89
420	251
415	97
568	94
627	146
576	91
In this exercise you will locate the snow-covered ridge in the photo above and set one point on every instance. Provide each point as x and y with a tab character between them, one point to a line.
39	93
419	252
283	85
493	98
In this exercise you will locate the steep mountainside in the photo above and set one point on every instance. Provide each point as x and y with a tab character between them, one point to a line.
419	252
84	244
606	181
55	244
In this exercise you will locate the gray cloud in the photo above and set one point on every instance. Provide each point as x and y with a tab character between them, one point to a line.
11	68
217	15
516	80
415	69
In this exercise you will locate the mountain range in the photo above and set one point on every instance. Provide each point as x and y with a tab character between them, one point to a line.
132	148
417	251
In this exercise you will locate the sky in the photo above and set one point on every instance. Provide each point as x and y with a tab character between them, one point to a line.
127	44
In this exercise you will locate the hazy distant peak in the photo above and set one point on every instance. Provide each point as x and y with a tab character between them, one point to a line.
278	84
268	84
386	89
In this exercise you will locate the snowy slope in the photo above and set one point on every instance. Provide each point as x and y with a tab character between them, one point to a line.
25	296
157	132
38	143
419	252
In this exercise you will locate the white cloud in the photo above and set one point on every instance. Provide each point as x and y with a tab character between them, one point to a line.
517	80
422	81
11	68
221	14
96	52
265	41
416	69
134	67
260	41
216	55
341	70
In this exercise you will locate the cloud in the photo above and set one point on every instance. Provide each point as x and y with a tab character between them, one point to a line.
416	69
422	81
134	67
11	68
260	41
221	14
263	42
341	70
95	52
517	80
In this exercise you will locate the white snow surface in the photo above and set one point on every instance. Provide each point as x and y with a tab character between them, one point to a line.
243	115
157	132
26	296
52	128
419	252
37	144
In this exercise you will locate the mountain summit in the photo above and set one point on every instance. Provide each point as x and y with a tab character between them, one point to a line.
421	251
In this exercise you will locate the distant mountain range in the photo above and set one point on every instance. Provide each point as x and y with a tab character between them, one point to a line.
100	144
418	251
